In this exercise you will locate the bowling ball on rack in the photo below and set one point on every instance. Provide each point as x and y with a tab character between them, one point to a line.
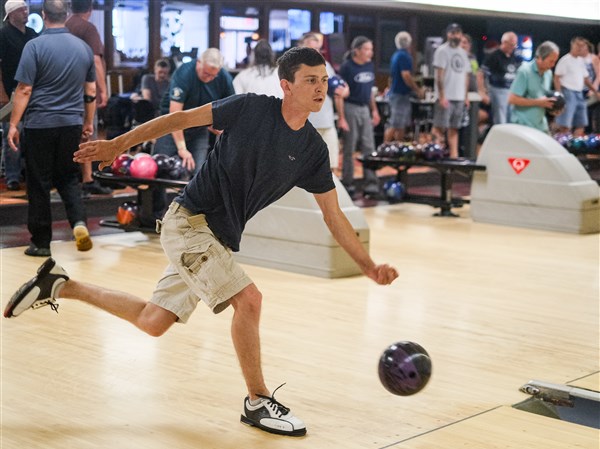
404	368
176	170
333	83
593	143
432	152
559	103
164	164
121	165
407	152
127	213
563	138
577	145
143	167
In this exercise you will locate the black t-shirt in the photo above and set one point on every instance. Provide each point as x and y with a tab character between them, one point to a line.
501	69
12	42
256	161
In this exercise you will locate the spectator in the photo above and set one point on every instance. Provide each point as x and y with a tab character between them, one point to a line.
261	77
497	73
156	84
570	77
194	84
452	69
592	65
360	113
79	25
324	120
403	84
13	37
529	90
56	96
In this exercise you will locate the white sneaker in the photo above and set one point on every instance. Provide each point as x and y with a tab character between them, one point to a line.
272	416
39	291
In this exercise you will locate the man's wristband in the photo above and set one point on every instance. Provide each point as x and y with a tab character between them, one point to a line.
89	98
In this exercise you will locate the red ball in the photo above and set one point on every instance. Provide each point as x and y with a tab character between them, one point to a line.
121	165
144	167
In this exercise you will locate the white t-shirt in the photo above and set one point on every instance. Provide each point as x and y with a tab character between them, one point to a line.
257	81
325	117
572	72
456	65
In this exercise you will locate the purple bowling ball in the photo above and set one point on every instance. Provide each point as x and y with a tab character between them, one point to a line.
404	368
432	152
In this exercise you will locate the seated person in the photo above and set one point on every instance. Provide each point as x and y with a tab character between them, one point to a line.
154	85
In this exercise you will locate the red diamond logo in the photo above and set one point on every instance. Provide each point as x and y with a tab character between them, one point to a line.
518	164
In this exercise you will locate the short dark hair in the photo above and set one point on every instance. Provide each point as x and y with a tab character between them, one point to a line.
81	6
162	63
55	10
291	60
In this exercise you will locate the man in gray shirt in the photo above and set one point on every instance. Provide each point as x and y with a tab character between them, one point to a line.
56	97
452	69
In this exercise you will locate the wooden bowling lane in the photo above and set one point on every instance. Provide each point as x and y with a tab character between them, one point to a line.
506	428
494	306
591	382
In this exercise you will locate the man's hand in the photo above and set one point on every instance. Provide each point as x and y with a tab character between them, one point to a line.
343	124
87	132
98	150
187	159
382	274
13	137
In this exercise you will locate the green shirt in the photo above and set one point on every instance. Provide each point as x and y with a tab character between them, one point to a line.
186	88
529	83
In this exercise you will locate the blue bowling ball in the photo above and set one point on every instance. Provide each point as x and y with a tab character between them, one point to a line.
333	83
577	145
593	144
394	191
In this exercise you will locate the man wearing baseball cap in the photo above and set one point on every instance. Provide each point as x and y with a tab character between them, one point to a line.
452	69
13	37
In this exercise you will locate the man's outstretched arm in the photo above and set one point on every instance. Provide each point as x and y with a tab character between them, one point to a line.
344	234
106	151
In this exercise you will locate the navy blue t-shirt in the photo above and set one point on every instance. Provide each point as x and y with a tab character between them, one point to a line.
360	79
256	161
401	61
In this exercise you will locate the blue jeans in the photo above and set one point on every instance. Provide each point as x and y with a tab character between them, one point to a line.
10	158
499	104
196	140
575	112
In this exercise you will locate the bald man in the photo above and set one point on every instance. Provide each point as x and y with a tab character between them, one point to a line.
496	75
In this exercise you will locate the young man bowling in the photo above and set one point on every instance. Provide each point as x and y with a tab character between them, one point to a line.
267	148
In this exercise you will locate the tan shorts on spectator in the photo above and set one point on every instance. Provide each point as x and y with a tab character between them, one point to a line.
200	267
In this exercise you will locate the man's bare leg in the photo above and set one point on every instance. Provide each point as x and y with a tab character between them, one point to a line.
453	142
148	317
246	339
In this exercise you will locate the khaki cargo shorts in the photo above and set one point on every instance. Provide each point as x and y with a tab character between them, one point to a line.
200	267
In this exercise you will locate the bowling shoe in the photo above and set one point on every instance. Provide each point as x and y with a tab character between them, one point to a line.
39	291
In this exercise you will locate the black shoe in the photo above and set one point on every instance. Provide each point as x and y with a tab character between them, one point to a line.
272	416
13	186
94	188
39	291
34	251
